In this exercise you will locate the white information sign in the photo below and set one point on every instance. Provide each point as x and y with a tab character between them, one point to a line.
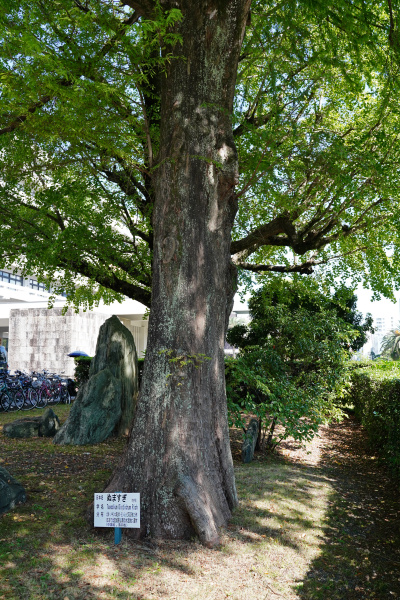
116	510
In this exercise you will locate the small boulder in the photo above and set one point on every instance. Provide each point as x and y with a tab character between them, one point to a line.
22	428
49	424
11	492
46	425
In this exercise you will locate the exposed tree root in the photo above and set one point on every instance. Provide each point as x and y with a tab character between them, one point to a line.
199	511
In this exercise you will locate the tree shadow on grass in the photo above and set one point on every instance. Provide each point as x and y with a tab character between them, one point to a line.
47	550
280	506
69	560
360	556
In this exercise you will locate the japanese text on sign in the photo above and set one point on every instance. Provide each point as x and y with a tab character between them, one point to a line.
116	510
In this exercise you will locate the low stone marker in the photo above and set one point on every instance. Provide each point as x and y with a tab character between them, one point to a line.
250	441
46	425
11	492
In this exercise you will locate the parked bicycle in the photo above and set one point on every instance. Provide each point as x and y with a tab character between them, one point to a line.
60	391
50	388
11	393
5	397
24	392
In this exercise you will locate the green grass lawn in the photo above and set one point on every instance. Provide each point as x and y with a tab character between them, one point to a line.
294	535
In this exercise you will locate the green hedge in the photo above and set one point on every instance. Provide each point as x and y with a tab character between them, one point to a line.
375	394
82	366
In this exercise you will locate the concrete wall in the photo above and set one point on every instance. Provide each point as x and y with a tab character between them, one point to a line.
41	338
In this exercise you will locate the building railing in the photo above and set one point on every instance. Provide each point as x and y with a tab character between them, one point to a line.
14	283
27	292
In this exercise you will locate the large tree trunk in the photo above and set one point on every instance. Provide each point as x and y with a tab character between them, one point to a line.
178	456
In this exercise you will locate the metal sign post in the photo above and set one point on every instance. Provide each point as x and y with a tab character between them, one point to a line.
117	535
117	532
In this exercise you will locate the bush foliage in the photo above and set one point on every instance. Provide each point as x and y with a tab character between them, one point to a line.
82	366
375	393
291	366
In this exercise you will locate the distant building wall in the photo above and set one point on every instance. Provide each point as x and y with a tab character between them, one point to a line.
382	325
139	329
41	338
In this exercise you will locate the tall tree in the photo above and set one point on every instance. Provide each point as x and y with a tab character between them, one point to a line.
121	136
391	344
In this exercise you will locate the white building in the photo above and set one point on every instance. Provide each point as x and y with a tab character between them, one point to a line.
40	338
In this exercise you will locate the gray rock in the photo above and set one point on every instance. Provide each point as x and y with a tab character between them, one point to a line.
95	413
105	404
49	424
46	425
11	492
250	441
22	428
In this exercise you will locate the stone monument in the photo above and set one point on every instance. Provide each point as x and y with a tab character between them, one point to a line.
105	404
45	426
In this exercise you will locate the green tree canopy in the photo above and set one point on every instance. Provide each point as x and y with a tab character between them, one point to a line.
315	122
297	293
136	135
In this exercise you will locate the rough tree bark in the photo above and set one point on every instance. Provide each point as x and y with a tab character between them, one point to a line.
178	456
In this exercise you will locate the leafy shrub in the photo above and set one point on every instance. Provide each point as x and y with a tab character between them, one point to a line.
354	365
82	366
298	409
375	393
291	366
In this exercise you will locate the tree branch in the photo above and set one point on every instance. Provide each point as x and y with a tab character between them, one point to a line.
305	268
55	218
110	281
66	82
262	236
82	265
21	118
251	121
130	186
132	227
